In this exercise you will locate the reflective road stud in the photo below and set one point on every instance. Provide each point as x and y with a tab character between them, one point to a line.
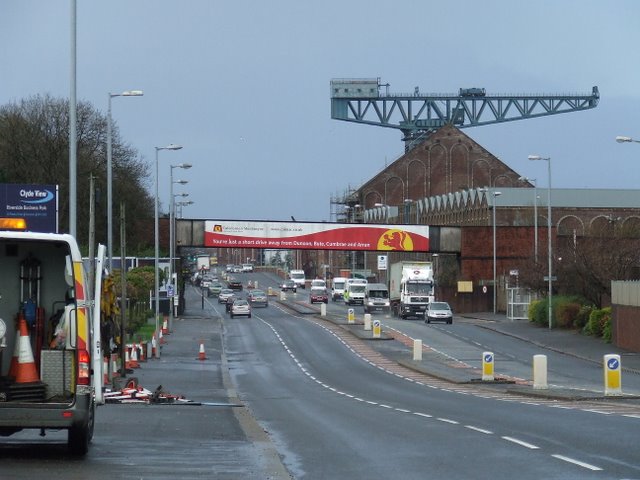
351	316
540	372
612	375
376	329
487	366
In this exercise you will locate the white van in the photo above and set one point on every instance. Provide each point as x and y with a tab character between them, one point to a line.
376	298
318	283
337	288
298	276
354	291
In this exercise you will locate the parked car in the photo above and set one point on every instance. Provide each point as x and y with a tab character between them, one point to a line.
215	289
234	284
318	295
438	312
224	295
289	286
258	298
240	307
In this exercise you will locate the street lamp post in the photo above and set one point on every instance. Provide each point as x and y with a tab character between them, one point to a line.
183	204
171	146
549	249
535	214
172	235
621	139
128	93
495	283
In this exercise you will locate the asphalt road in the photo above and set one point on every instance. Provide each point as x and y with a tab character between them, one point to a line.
291	395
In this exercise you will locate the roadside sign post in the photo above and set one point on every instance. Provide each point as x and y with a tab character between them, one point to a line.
487	367
612	375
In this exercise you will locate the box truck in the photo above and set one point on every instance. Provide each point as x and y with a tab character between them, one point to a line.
410	288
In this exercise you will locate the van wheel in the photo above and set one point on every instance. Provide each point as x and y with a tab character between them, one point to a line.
79	437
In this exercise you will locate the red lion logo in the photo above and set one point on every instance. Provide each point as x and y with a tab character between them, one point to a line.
395	240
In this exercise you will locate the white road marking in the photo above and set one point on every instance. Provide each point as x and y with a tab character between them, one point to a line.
481	430
521	443
577	462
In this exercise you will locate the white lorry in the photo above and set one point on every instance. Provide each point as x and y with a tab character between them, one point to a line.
354	291
337	288
411	288
299	277
50	359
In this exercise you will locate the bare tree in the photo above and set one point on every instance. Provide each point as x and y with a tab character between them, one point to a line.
34	148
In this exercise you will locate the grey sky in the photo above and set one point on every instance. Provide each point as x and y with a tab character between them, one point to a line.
244	86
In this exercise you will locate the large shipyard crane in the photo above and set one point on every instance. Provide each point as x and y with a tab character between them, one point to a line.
416	114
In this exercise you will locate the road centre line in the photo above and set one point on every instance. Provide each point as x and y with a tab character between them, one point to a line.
521	443
577	462
477	429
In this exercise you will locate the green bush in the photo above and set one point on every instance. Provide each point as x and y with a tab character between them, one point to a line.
583	317
598	320
566	314
538	312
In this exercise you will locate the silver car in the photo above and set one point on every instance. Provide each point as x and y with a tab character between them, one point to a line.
258	297
240	307
438	312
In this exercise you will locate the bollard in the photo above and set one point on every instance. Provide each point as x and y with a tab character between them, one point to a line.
540	372
283	296
612	375
351	316
323	309
367	321
487	367
376	329
255	285
417	349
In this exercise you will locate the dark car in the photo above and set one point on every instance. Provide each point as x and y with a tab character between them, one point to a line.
438	312
258	298
235	284
318	295
289	285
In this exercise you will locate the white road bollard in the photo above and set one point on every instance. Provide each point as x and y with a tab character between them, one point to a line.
612	375
367	321
417	349
540	372
376	329
487	367
323	309
351	316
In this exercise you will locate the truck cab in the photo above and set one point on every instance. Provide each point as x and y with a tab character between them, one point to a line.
299	277
376	298
337	288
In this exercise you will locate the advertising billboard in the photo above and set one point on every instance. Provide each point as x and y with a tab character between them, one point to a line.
316	236
37	204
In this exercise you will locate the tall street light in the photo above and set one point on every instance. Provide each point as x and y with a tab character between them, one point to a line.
183	204
127	93
172	233
535	213
171	146
549	249
621	139
495	282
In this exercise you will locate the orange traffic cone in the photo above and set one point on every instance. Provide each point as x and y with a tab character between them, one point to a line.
153	346
201	354
165	326
26	371
13	368
132	361
162	341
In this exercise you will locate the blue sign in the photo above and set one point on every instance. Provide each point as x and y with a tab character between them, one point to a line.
613	364
169	290
37	204
488	358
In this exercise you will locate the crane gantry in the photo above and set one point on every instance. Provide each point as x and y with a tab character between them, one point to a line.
361	100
